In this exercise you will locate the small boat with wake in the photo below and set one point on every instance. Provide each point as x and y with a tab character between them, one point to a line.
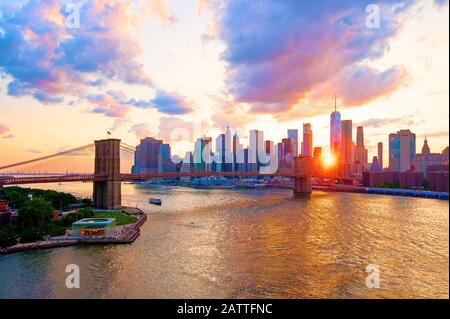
155	201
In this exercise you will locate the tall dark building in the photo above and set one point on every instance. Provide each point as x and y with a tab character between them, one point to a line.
146	156
288	146
224	154
402	150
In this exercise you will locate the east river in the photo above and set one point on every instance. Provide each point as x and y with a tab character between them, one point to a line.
250	244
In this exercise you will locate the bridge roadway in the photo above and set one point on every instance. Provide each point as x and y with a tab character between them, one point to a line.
131	177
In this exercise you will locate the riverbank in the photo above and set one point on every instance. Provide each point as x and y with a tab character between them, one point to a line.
125	234
328	188
382	191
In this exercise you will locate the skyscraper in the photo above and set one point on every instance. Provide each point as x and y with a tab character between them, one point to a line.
317	152
202	154
335	131
207	153
375	166
238	153
165	163
220	153
228	149
402	149
199	165
293	134
307	145
380	154
269	148
146	156
360	150
256	150
346	148
360	136
288	146
280	150
360	154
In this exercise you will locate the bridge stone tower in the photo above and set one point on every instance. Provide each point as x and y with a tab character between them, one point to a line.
107	183
302	168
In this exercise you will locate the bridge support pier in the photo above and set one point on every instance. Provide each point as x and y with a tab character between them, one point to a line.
302	168
107	181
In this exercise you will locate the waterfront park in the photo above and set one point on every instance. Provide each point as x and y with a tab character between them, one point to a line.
39	219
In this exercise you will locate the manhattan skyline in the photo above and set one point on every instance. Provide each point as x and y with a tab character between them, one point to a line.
172	63
239	150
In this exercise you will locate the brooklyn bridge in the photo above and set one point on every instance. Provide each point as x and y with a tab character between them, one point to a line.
107	176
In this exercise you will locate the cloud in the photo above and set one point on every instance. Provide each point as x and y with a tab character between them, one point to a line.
293	54
202	5
164	102
168	103
47	60
172	127
116	103
112	110
4	129
9	136
441	3
357	86
108	104
435	134
118	123
231	114
141	130
407	120
161	12
33	151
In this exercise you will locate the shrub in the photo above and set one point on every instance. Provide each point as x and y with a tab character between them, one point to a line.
7	236
35	218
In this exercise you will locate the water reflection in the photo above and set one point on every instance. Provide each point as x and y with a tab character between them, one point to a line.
253	243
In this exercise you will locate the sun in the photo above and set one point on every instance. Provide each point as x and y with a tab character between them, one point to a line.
328	160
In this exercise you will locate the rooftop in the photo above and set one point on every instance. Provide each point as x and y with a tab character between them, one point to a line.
93	222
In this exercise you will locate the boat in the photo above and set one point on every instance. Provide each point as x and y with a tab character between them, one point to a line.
155	201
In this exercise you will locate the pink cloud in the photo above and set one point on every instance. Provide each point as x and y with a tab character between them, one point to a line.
161	11
49	61
141	130
292	56
3	129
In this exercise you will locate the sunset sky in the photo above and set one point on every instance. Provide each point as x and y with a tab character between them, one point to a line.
143	68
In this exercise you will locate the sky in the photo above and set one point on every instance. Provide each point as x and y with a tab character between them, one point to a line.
179	69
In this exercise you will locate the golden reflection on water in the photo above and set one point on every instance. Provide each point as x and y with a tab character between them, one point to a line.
252	244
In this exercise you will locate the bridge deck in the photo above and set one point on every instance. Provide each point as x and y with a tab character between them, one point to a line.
131	177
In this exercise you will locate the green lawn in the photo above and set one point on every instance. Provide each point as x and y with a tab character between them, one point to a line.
121	218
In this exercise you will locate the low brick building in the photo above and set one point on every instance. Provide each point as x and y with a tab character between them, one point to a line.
437	176
408	180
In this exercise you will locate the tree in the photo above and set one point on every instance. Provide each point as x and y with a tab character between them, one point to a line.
7	236
16	196
57	199
35	218
80	214
86	202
